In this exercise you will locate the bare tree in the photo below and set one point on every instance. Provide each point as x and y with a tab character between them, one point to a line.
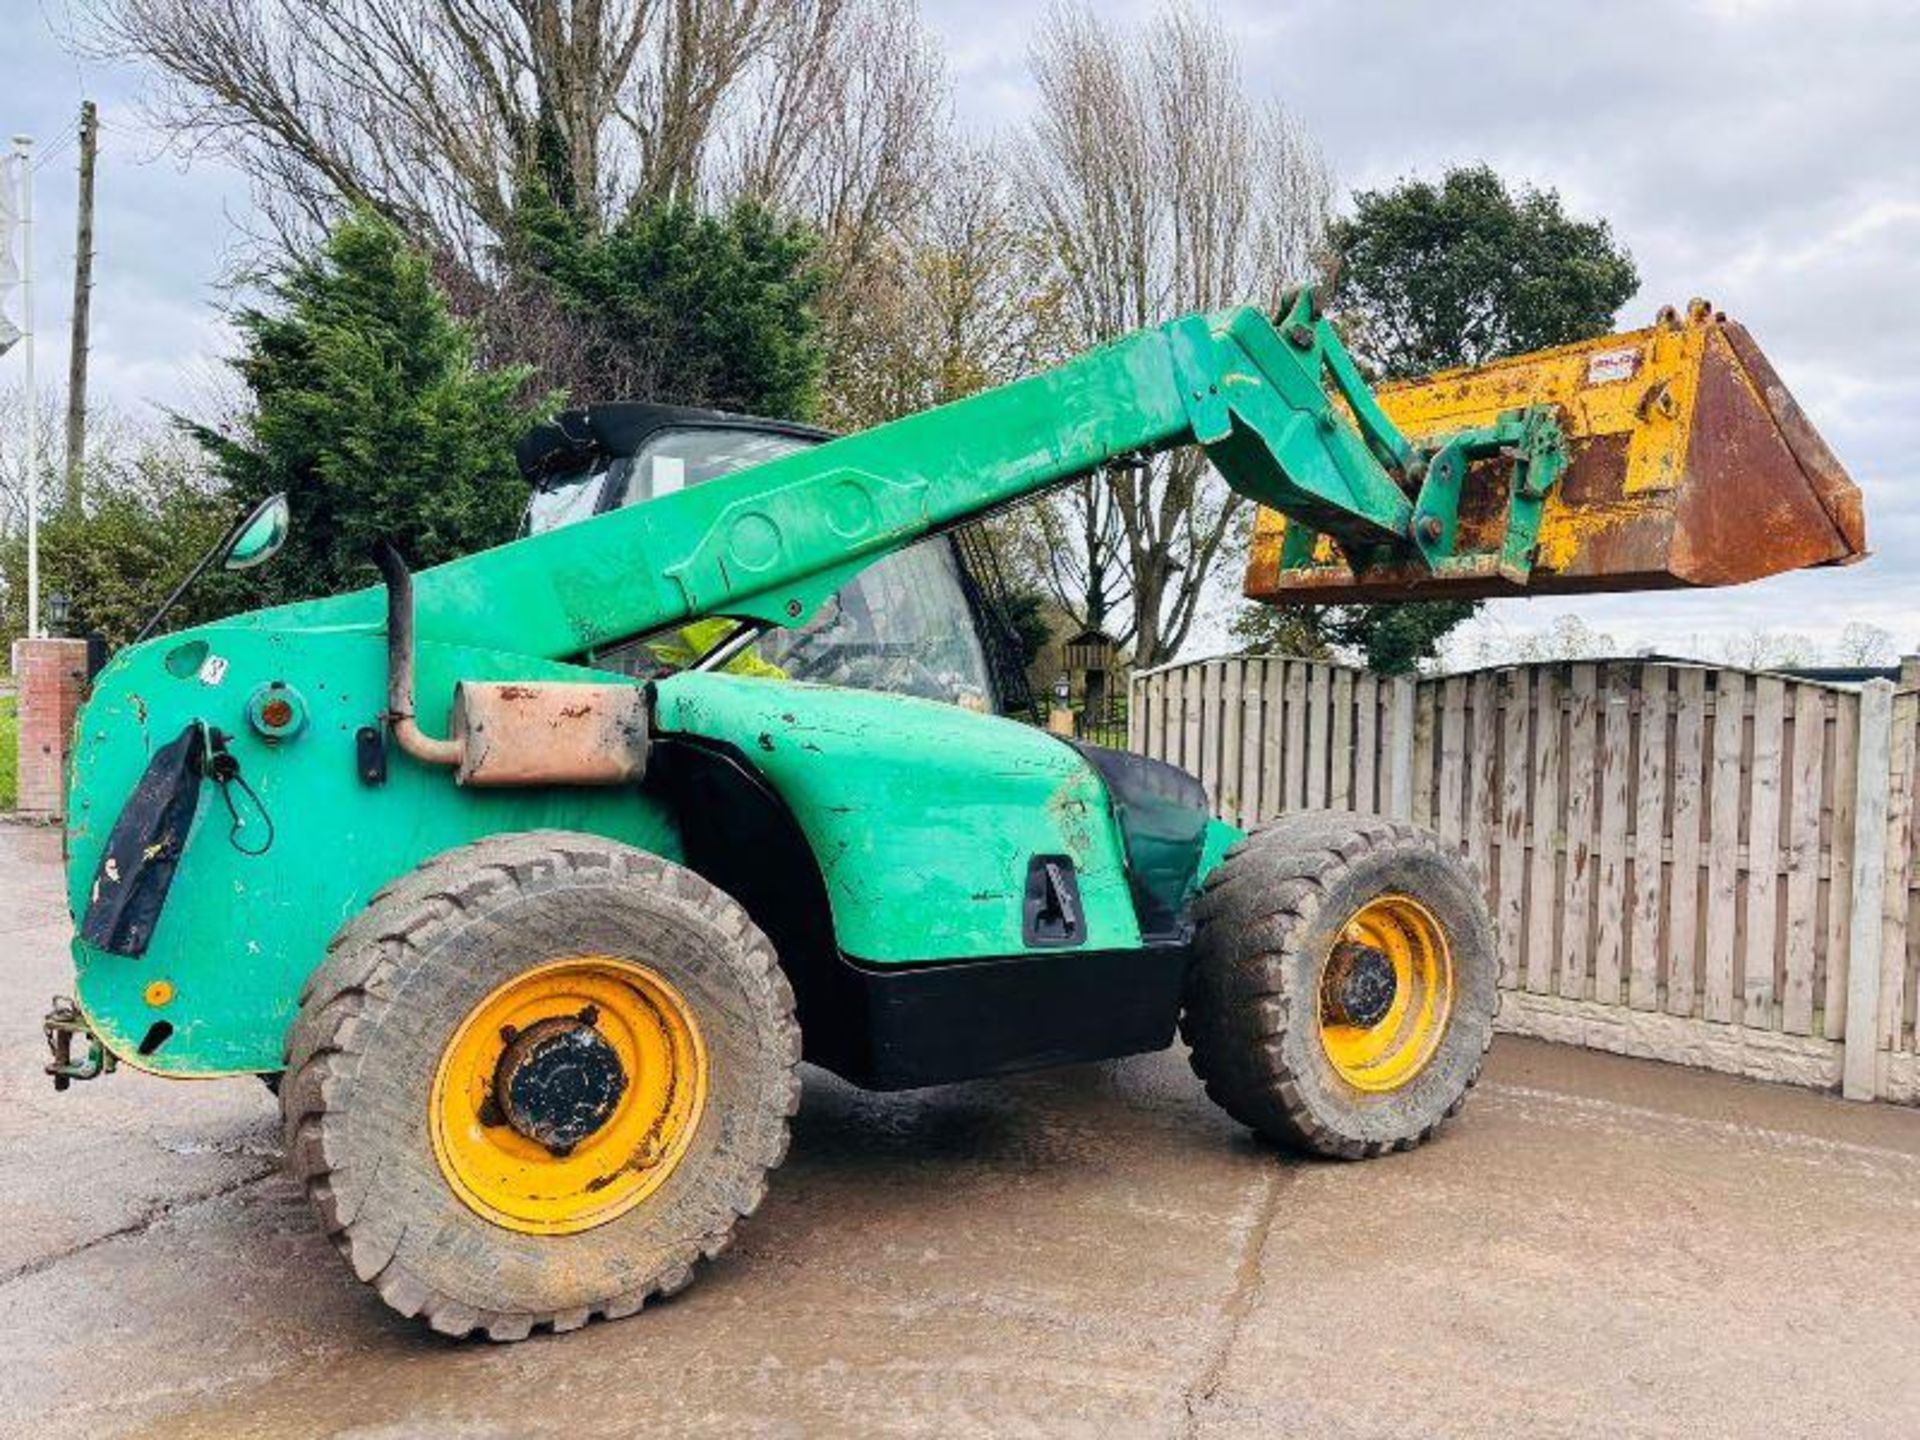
435	112
1568	637
135	457
16	486
848	126
1160	186
1864	644
123	449
1764	649
845	124
943	306
518	319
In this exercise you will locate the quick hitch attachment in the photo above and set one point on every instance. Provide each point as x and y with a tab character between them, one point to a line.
63	1026
1533	441
1287	417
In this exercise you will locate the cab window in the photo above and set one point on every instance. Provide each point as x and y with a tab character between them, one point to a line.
674	459
904	625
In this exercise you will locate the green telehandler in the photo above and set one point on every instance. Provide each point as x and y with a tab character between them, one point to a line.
529	881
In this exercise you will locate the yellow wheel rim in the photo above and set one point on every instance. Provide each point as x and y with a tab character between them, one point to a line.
1379	1036
611	1031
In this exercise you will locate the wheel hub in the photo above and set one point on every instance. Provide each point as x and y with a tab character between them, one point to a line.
1386	993
559	1081
1360	985
568	1094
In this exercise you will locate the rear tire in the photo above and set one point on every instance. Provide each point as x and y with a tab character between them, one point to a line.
471	1220
1285	925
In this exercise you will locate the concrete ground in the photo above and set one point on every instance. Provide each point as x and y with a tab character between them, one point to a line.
1598	1247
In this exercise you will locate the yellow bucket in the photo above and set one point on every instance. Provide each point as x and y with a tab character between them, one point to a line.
1689	465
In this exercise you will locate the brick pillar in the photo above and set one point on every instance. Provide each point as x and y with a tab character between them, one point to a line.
52	677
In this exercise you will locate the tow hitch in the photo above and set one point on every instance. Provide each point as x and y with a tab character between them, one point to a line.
63	1026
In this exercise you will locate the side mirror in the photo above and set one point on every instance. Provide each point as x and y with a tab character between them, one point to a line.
254	541
258	538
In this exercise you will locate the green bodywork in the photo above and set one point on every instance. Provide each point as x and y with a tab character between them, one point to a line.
922	817
239	932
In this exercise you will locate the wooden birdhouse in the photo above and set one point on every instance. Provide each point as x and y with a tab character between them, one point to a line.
1091	650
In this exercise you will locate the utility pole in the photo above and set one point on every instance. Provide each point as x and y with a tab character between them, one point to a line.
23	162
82	302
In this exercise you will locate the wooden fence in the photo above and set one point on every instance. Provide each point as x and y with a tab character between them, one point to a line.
1703	865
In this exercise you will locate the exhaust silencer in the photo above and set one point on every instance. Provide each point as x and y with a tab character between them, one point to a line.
1689	465
513	732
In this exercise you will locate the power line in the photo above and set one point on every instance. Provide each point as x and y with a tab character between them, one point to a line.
54	151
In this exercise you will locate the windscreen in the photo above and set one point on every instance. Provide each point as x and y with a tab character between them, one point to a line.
673	459
904	626
669	461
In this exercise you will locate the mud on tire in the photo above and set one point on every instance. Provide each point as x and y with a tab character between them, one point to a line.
1266	926
399	979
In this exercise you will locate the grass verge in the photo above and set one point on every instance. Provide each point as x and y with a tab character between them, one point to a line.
9	750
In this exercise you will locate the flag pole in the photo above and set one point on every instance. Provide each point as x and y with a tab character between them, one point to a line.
22	145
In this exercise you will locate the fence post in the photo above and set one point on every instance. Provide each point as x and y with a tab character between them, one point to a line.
1399	748
1860	1078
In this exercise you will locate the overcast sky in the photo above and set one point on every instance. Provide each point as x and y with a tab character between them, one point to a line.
1759	152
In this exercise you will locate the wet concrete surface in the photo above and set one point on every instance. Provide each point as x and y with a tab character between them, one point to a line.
1598	1247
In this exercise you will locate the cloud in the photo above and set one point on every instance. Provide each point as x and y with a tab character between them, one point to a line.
1760	152
163	233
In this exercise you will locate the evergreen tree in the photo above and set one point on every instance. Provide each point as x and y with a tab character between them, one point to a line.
1470	270
675	305
370	411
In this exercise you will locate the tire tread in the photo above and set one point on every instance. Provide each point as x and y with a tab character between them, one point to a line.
352	988
1242	1000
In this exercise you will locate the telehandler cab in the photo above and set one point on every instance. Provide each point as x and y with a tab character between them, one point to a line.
530	880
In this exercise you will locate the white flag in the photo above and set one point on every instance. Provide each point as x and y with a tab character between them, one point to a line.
9	267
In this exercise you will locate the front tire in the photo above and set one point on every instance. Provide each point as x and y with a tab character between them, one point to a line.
537	1081
1344	984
